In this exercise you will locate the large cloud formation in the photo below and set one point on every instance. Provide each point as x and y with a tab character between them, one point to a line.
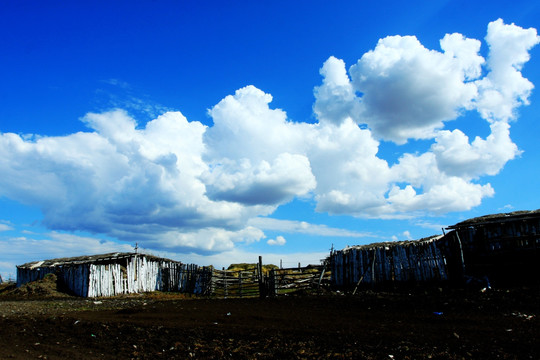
180	185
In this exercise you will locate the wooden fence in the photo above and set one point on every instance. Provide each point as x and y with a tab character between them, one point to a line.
235	283
389	263
255	282
291	280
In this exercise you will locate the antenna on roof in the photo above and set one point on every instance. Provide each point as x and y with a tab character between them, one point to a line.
136	247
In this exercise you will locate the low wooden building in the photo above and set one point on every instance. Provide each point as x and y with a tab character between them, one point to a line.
405	261
118	273
504	248
492	249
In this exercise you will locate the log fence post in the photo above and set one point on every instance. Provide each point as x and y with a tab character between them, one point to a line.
225	290
262	292
273	284
240	283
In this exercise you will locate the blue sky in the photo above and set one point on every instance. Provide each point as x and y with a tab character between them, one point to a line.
214	132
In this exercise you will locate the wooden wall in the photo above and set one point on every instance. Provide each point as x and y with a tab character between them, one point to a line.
505	252
125	276
417	261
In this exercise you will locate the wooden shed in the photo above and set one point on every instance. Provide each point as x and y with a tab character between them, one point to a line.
496	249
118	273
390	262
503	247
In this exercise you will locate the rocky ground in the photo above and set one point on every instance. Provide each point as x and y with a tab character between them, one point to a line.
37	322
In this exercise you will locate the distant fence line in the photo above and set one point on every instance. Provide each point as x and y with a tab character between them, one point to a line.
139	273
134	273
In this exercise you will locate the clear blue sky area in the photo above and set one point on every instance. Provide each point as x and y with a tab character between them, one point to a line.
213	132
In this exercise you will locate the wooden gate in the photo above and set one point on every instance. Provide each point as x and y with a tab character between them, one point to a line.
258	282
305	279
236	283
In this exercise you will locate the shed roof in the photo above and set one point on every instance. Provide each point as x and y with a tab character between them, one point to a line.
87	259
497	218
390	244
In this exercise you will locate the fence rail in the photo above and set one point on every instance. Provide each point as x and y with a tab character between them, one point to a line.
286	281
255	282
235	283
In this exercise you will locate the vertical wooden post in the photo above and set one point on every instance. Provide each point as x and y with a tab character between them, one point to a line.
261	280
373	279
225	292
461	252
240	283
213	280
273	284
322	275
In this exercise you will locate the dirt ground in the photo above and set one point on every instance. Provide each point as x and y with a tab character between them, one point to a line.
437	323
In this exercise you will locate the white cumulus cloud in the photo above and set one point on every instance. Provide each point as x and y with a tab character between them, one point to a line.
279	240
335	98
408	91
179	186
504	88
456	156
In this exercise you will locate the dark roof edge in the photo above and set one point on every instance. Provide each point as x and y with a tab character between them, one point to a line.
497	218
88	259
390	244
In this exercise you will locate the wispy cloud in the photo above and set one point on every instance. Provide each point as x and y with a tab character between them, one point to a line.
429	225
117	82
5	226
122	95
302	227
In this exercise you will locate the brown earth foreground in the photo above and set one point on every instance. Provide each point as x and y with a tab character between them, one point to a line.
421	324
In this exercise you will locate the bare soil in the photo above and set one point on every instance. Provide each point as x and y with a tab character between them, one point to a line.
434	323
